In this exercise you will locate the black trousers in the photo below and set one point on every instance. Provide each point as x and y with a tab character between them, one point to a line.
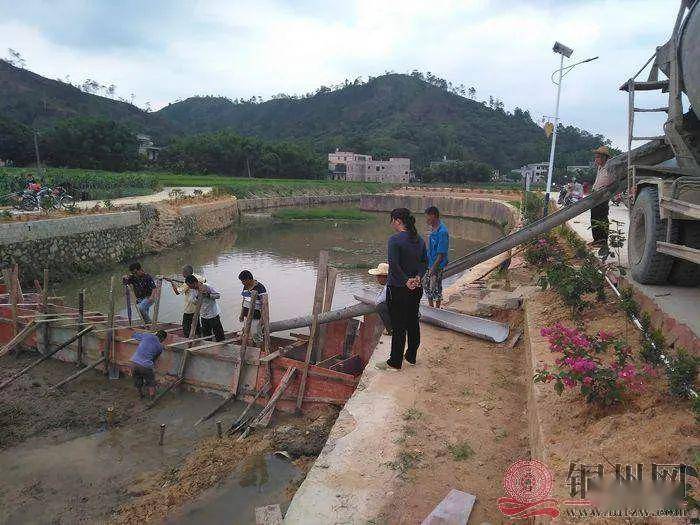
599	222
187	325
213	325
403	311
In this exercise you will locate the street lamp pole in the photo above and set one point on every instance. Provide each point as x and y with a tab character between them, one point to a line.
550	168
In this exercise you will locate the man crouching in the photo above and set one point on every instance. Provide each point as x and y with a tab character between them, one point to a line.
144	360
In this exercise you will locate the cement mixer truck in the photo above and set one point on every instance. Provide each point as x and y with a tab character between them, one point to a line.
663	175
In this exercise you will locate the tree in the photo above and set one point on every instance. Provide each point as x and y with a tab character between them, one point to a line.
15	58
472	92
16	142
92	143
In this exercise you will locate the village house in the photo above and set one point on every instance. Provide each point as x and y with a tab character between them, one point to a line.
146	147
346	165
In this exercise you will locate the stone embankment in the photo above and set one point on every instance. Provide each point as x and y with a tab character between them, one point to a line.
83	243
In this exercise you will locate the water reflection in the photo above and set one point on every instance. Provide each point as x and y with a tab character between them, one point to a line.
282	255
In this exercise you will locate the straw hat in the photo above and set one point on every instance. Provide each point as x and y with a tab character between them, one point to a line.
603	150
381	269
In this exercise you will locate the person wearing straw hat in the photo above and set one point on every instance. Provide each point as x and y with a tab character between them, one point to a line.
381	273
599	214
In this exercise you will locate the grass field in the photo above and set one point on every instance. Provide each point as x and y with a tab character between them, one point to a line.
98	184
319	214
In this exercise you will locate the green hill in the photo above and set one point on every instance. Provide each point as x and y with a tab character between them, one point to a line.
394	114
33	100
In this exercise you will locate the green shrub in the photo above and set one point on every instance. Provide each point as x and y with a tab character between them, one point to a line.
681	372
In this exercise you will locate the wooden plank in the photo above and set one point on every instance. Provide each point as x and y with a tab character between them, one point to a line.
266	336
307	361
259	393
331	278
236	374
319	295
26	332
263	418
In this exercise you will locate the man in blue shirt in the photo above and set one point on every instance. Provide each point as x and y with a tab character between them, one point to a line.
438	248
144	360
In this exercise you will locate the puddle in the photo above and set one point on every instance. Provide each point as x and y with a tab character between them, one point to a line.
84	479
260	481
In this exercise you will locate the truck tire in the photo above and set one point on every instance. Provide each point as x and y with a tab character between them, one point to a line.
686	273
647	266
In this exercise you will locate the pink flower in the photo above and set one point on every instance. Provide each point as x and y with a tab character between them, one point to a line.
570	383
542	242
604	336
588	380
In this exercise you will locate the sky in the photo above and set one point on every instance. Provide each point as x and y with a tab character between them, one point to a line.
162	51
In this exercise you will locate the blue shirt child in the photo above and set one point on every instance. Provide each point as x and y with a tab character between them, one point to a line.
439	243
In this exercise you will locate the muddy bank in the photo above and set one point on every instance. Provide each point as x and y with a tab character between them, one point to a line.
62	464
29	409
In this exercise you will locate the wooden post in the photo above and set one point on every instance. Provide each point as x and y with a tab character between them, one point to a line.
307	360
331	279
109	341
81	321
156	306
319	295
266	334
46	329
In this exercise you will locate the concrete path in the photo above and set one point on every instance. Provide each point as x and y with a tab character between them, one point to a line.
680	303
146	199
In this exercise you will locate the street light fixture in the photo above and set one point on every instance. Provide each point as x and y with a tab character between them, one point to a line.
564	51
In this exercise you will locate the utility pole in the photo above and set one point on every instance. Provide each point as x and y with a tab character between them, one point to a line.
36	150
550	168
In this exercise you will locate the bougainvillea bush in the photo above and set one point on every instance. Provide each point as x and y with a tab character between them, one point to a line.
603	378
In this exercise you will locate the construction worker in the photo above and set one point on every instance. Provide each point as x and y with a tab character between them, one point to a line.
599	214
144	289
381	273
438	247
144	360
209	312
250	285
190	304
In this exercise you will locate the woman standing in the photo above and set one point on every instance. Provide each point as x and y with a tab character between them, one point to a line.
408	262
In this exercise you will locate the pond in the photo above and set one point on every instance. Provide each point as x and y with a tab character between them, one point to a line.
282	254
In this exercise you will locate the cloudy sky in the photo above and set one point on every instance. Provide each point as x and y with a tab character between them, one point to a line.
166	50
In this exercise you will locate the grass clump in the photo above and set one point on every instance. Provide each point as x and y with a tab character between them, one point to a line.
412	414
320	214
461	451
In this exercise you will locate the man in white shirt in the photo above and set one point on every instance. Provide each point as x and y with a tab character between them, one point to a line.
381	272
190	306
209	312
599	214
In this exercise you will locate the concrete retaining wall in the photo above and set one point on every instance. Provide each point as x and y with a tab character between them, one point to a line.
298	200
489	210
81	244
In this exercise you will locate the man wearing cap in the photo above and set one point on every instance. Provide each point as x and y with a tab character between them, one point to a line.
599	214
381	273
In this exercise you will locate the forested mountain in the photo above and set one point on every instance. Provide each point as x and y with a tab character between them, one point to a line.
33	100
390	115
421	117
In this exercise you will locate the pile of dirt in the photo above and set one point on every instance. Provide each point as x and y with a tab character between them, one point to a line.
29	408
307	440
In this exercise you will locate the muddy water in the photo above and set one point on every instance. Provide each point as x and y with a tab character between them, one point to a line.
282	255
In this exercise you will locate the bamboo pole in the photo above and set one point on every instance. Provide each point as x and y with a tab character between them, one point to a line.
44	358
81	321
79	373
183	359
156	306
26	332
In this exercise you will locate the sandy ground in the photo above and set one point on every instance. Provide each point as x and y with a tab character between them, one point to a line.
466	426
160	196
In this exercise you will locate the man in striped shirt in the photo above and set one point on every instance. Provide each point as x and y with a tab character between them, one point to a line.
249	286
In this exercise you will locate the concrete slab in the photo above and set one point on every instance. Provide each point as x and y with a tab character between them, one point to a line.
453	510
679	303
